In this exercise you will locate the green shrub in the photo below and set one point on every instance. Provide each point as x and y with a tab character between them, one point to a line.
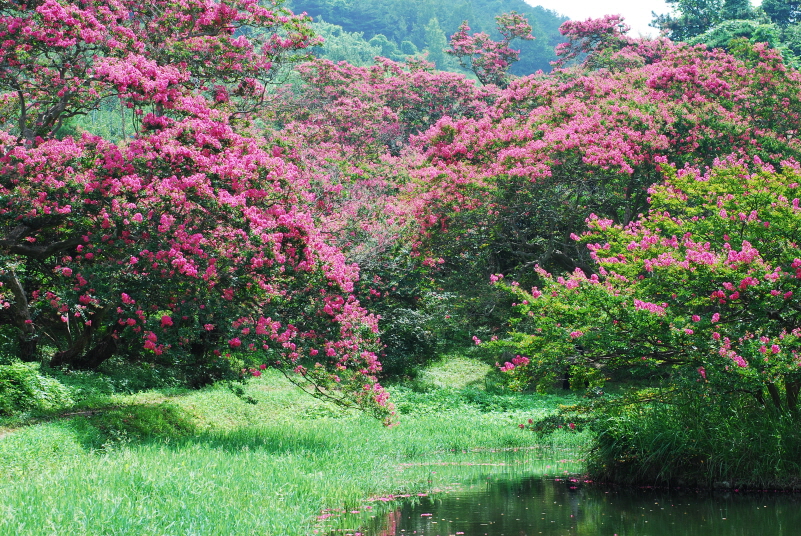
23	388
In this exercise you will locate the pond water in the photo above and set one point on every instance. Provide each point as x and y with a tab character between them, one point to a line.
532	492
502	506
488	503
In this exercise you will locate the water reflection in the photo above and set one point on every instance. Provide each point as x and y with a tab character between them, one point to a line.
534	506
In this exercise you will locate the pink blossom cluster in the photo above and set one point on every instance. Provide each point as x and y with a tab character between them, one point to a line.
517	361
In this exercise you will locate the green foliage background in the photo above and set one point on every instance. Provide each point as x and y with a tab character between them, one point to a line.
416	22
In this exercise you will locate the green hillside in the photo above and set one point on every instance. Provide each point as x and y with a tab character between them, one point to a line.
419	25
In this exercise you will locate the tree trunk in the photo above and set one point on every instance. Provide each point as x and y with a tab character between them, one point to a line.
27	337
75	357
792	389
775	396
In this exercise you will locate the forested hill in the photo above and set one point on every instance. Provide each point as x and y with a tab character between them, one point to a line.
425	25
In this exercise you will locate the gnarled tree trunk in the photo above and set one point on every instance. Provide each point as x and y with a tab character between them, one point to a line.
76	357
28	338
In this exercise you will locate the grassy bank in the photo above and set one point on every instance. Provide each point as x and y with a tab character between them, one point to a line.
208	462
698	442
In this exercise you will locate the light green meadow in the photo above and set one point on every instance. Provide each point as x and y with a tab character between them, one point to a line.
208	462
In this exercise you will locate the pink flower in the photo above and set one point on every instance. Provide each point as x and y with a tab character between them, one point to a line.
166	321
696	318
775	348
519	361
235	342
716	317
650	307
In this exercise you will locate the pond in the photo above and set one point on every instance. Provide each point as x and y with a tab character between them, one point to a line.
550	507
495	504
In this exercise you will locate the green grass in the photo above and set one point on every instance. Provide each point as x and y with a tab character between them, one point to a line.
455	372
206	462
691	441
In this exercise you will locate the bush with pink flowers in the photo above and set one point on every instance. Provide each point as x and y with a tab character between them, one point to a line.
190	244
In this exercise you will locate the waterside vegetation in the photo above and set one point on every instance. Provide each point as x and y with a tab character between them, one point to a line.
189	198
173	461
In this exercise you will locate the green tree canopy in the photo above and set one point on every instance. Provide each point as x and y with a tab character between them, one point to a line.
406	20
436	43
736	9
782	12
690	18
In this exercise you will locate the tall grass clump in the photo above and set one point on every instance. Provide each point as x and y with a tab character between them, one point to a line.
697	441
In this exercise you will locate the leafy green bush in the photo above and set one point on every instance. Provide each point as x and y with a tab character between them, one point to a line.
23	388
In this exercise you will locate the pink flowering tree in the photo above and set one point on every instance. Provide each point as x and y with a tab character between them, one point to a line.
591	37
490	60
192	243
505	192
511	186
366	112
603	43
61	58
349	130
703	290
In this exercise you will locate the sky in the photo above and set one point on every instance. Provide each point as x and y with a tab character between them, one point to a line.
636	12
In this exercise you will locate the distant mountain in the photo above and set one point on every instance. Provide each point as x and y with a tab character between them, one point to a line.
418	23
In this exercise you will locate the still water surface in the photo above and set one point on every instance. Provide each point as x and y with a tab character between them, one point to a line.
502	506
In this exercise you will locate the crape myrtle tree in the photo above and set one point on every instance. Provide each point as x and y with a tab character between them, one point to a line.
348	130
61	58
689	185
703	290
189	244
508	189
490	60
